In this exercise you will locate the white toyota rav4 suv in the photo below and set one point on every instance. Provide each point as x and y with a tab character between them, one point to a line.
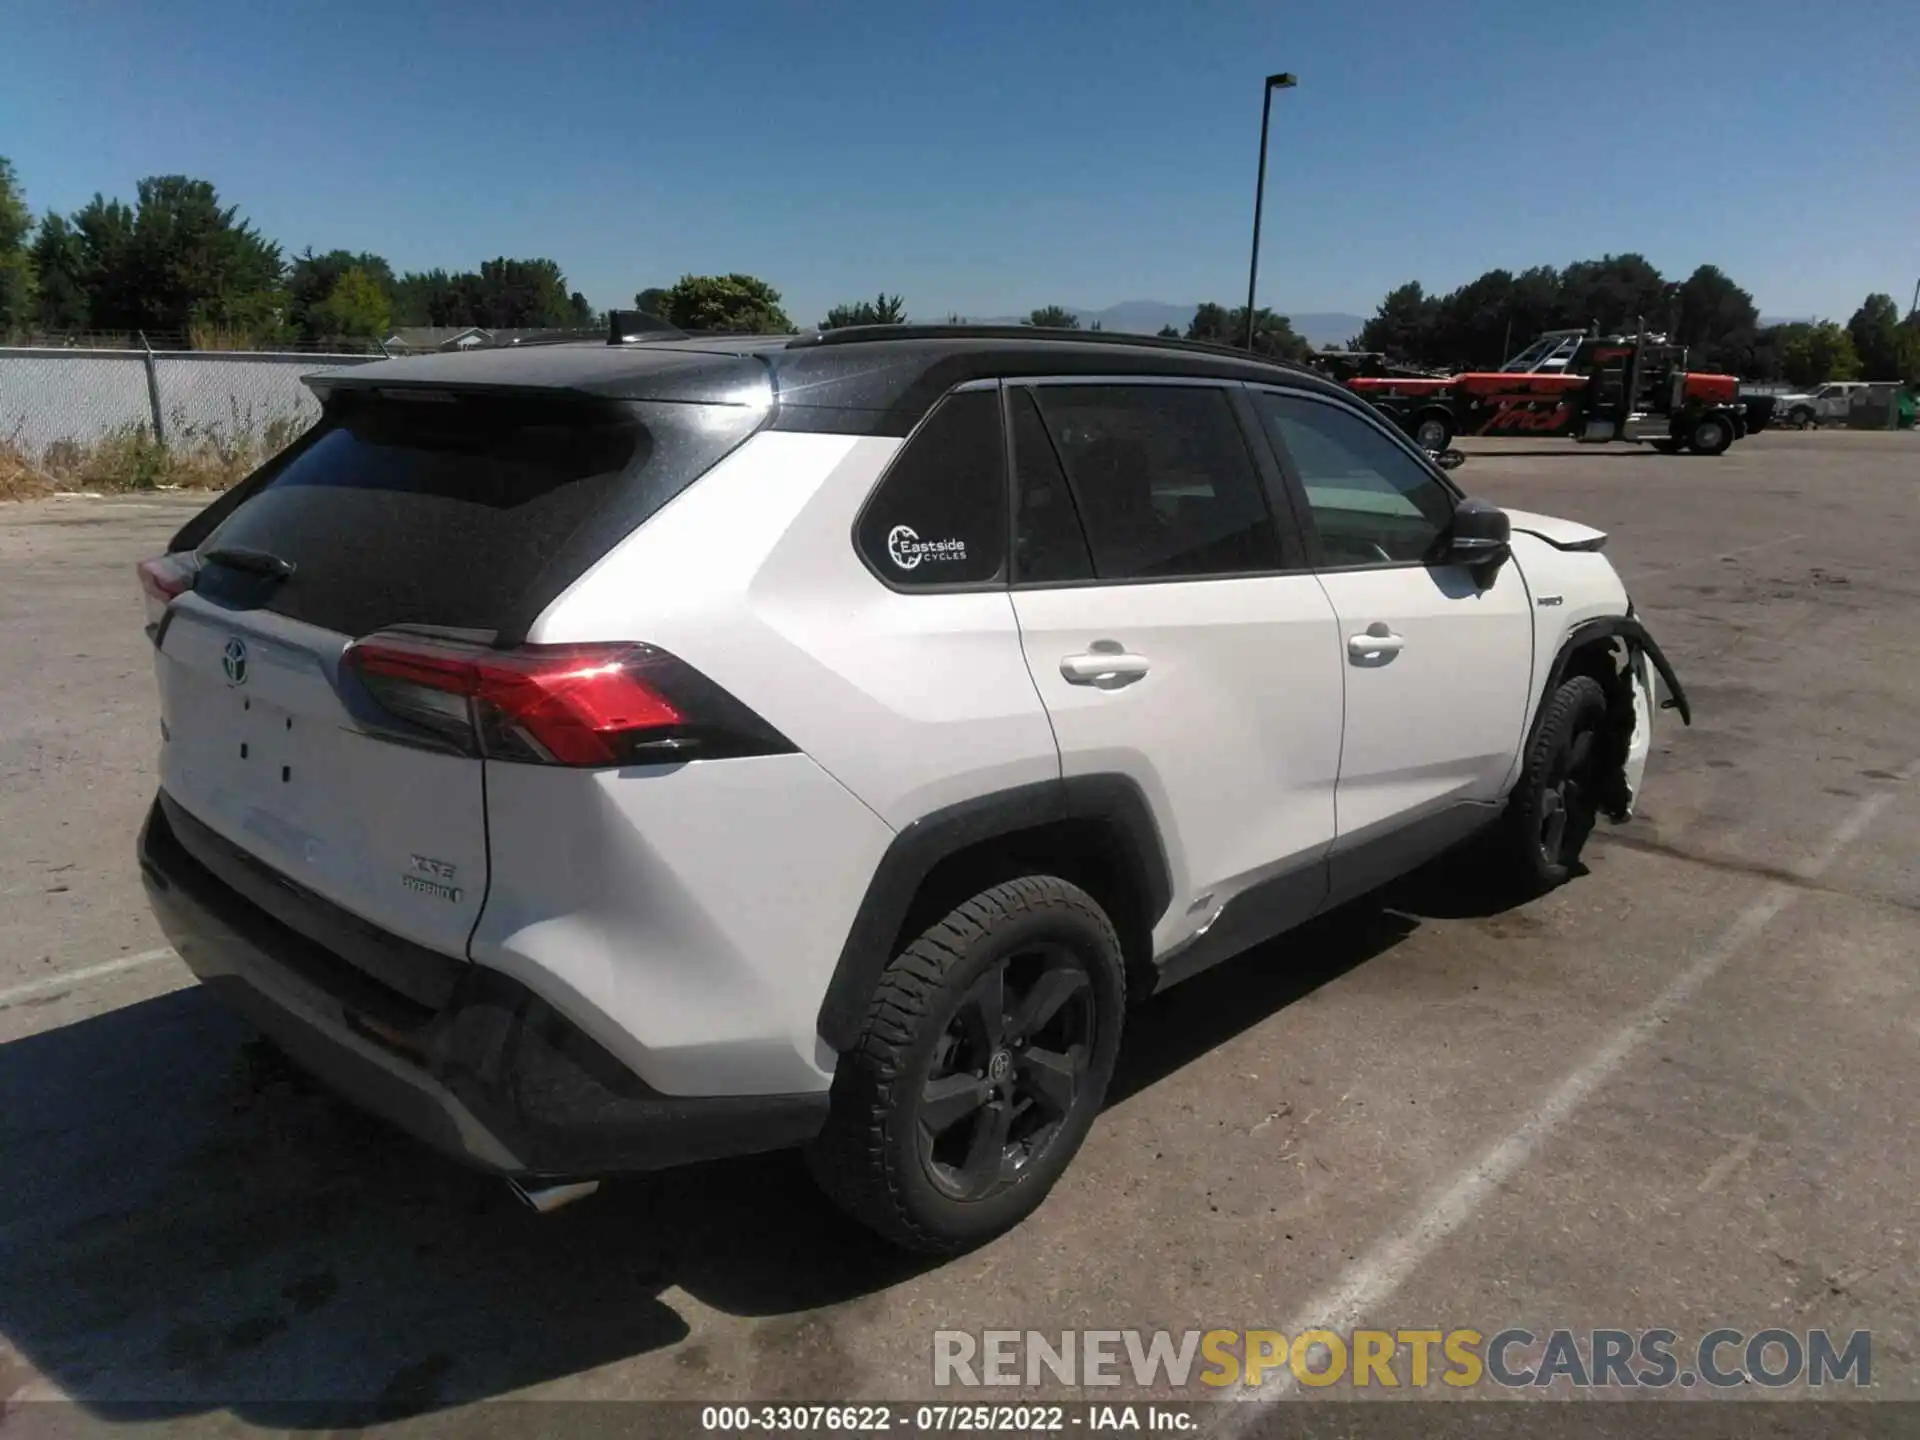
597	757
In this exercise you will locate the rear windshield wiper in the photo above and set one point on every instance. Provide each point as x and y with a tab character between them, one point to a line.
254	562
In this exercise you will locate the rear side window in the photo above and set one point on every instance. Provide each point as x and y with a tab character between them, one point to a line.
469	512
1162	478
940	514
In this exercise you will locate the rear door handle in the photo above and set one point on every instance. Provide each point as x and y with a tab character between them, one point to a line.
1376	646
1104	668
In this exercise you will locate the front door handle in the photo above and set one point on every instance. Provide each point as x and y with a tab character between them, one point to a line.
1375	647
1105	665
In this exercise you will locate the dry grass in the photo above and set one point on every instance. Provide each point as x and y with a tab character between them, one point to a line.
129	459
209	336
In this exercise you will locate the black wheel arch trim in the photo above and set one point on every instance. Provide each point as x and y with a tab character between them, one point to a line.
1111	799
1628	628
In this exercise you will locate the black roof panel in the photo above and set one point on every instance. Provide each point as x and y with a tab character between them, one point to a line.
876	380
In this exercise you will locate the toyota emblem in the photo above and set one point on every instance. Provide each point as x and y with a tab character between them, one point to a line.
233	660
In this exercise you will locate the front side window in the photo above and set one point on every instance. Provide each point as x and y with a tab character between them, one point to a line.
1372	502
1161	478
940	515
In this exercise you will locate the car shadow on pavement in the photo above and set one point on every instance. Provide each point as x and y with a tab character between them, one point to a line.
1463	884
190	1225
1169	1031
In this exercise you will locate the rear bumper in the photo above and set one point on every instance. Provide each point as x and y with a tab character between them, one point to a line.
491	1074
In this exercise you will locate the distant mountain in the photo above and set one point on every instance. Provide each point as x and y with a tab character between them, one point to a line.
1146	317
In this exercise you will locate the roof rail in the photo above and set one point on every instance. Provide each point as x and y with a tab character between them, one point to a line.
625	326
854	334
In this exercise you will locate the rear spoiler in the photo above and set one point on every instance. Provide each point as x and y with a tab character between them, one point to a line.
626	326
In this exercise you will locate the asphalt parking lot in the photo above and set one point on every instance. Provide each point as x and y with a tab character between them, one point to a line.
1678	1092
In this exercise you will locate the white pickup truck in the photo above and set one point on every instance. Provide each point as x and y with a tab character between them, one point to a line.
1821	405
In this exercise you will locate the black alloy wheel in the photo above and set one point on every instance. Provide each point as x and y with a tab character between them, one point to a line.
1007	1072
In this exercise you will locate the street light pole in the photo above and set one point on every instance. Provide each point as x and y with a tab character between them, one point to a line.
1274	82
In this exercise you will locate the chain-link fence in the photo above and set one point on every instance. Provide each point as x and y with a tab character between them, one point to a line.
226	400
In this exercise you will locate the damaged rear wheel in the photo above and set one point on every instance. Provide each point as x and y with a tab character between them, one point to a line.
1553	809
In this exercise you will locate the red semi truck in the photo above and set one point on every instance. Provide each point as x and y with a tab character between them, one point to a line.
1573	383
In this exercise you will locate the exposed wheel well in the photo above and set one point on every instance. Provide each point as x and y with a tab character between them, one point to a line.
1085	851
1606	659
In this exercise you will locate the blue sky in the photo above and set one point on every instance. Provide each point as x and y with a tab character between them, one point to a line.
986	158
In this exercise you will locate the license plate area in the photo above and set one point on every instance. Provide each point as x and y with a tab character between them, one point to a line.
266	741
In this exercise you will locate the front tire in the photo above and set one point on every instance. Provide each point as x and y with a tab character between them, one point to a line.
1802	419
1556	803
984	1059
1710	435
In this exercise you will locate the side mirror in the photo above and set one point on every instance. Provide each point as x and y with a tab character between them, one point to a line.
1450	459
1479	536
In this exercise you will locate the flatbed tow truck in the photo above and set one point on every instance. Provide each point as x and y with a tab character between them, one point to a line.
1580	385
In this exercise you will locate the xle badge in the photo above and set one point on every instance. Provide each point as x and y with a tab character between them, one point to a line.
428	876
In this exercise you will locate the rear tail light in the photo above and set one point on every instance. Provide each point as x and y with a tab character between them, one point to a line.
578	705
162	578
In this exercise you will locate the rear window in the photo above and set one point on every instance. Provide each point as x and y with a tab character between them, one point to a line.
470	512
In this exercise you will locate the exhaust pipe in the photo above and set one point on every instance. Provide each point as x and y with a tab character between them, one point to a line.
547	1196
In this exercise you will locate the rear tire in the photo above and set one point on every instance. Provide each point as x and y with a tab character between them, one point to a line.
1710	435
1556	803
983	1062
1432	432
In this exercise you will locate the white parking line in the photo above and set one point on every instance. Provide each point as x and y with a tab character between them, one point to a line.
67	979
1392	1259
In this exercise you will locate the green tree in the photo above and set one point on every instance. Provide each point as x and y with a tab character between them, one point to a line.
1475	326
1053	317
729	304
1907	351
1273	335
313	279
85	268
435	297
1486	320
357	308
502	295
191	261
1613	292
174	259
1717	320
62	267
523	294
1875	332
1812	354
1403	325
883	309
17	289
1169	332
653	301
